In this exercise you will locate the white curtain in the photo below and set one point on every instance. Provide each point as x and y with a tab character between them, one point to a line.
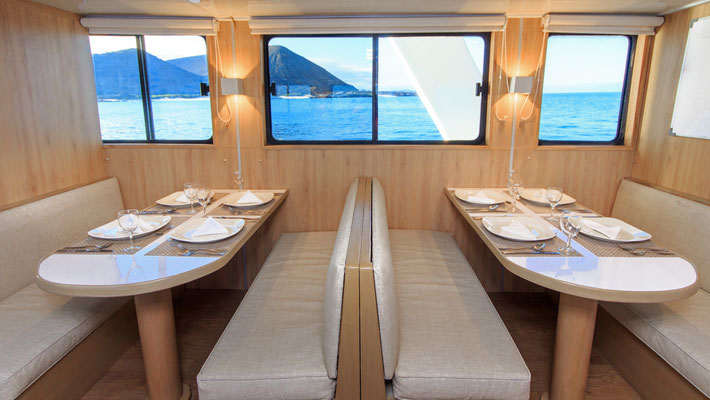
149	26
601	23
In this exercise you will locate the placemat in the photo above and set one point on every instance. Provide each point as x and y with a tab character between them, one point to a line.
170	247
550	244
501	209
601	248
183	210
540	209
119	246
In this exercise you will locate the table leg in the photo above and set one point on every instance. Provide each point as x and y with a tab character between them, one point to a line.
573	345
156	325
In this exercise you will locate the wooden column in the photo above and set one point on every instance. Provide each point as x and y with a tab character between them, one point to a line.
573	346
156	325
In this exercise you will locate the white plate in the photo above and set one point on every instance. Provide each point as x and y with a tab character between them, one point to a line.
533	196
112	231
170	200
233	198
496	197
184	232
541	229
628	233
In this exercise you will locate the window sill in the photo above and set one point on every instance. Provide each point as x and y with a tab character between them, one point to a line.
584	147
375	147
159	146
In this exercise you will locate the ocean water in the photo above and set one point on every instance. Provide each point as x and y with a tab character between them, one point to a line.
565	116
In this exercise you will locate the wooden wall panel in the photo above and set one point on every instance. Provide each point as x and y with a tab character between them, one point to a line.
414	177
50	128
677	163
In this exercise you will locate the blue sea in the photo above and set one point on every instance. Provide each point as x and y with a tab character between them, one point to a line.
565	116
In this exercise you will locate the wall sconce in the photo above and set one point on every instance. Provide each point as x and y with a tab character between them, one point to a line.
521	84
231	86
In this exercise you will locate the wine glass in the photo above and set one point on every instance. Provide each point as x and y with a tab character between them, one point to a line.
238	178
128	221
515	189
203	196
570	224
190	190
554	196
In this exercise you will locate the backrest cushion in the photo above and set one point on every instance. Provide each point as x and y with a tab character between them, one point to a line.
384	281
34	230
334	281
676	223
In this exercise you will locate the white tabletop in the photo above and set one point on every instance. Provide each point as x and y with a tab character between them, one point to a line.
111	275
628	279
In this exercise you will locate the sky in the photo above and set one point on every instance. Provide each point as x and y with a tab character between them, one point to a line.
163	47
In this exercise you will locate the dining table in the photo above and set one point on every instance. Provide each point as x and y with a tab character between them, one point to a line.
596	270
149	275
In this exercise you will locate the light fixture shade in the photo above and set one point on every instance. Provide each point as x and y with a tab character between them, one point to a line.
521	84
231	86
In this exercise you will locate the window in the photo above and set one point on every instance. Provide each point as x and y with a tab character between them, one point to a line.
691	113
152	88
376	89
585	89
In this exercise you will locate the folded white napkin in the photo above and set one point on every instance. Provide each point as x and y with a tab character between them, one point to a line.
541	195
249	198
612	232
210	227
519	229
145	226
182	199
480	197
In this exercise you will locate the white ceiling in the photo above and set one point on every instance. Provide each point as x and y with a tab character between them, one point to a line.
242	9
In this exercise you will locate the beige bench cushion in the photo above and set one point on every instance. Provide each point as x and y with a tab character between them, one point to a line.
335	280
679	224
453	344
37	329
34	230
384	281
272	347
678	331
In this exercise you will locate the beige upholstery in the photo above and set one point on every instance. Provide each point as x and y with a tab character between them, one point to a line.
272	347
679	224
37	329
453	344
678	331
49	224
335	279
384	281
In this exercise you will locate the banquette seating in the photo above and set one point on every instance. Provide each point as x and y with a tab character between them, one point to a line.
678	331
39	328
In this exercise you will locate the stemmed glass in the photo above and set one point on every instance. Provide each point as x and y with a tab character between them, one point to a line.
203	196
554	196
238	178
570	224
190	190
128	221
515	189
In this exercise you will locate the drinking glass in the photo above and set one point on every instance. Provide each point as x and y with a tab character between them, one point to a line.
190	190
570	224
515	189
554	196
203	196
128	221
238	178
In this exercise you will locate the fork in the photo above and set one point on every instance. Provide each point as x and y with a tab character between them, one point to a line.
90	247
639	251
203	251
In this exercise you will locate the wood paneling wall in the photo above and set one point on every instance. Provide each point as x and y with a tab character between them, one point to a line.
49	130
414	177
677	163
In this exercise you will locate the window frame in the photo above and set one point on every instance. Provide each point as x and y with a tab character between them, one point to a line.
480	140
623	106
147	101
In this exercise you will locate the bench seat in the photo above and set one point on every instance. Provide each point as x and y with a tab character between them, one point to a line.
44	328
272	347
453	344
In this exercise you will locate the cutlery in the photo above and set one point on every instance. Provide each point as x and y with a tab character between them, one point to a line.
493	207
536	247
245	212
91	246
86	251
247	217
203	252
640	251
529	251
168	211
185	249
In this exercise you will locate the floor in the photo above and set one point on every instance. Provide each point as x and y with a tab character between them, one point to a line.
202	315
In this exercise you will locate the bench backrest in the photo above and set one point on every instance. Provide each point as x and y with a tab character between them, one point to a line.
679	224
34	230
334	285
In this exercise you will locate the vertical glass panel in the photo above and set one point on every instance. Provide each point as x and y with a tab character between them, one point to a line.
691	113
176	66
427	88
322	88
118	87
582	95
